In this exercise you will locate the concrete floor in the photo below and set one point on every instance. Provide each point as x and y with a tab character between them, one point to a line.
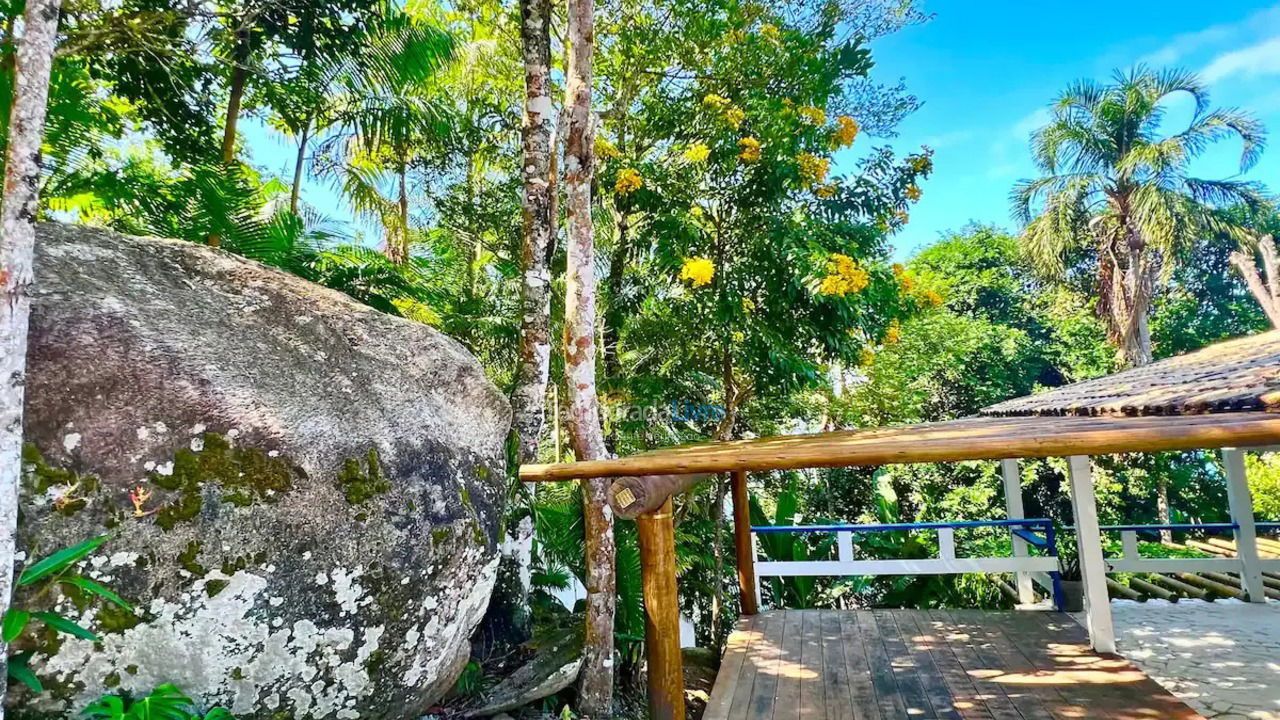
1222	657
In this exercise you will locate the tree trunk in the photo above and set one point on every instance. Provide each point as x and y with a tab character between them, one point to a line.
528	399
239	74
529	396
596	680
398	236
613	315
1162	508
297	169
1267	293
17	272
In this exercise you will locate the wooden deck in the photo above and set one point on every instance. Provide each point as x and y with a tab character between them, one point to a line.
892	664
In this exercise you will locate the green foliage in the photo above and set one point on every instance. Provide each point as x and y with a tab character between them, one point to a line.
38	580
1264	484
166	702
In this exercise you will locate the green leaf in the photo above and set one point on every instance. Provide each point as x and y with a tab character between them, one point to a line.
96	588
61	624
60	560
108	707
18	670
219	714
14	622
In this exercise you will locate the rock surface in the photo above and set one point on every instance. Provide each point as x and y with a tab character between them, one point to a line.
320	485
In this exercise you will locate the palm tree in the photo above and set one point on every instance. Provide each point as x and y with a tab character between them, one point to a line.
1116	197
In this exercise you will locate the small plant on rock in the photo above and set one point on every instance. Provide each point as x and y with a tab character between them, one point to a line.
43	577
164	703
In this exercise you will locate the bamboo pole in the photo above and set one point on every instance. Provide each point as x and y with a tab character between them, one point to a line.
1122	590
662	614
1234	581
1212	585
1190	591
742	545
1153	590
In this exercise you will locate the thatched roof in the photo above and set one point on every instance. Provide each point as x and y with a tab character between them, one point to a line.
1232	376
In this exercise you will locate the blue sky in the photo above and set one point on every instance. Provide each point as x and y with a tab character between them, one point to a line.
986	70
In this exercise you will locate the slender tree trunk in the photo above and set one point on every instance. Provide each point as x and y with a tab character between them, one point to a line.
529	396
1267	293
297	169
1163	516
596	680
239	74
17	263
528	399
613	316
398	237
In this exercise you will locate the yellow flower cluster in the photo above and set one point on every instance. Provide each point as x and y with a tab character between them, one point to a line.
846	131
698	270
748	305
825	191
866	357
931	298
697	152
894	334
716	102
913	193
844	276
921	163
901	216
730	113
812	115
606	149
750	150
629	181
770	33
813	169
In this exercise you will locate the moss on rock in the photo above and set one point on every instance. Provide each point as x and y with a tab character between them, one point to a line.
246	476
361	484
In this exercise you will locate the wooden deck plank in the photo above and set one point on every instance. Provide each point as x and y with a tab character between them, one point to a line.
905	670
732	672
964	695
786	702
862	693
1020	671
838	702
964	643
888	696
762	663
813	669
894	664
930	675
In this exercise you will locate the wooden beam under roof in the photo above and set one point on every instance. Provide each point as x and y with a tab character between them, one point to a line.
988	438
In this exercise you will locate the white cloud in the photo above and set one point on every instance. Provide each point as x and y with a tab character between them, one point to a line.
1253	61
948	139
1031	122
1262	23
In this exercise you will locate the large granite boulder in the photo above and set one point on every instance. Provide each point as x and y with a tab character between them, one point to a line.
304	493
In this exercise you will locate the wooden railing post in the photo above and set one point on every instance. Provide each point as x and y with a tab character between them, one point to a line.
661	613
742	544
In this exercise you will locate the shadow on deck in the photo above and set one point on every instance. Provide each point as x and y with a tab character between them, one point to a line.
892	664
